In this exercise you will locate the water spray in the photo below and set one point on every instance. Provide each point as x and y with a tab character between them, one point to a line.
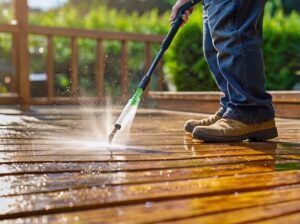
133	103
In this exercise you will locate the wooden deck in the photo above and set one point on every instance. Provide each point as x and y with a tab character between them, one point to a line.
56	168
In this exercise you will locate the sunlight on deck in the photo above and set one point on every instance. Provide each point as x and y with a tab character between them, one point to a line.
55	168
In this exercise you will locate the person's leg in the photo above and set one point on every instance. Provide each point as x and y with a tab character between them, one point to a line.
210	54
236	30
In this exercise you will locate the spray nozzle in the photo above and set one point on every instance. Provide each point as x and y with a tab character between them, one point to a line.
112	134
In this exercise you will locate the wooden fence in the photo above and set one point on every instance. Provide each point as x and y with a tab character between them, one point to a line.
20	54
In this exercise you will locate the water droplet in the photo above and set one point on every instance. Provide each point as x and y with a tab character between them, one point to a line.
148	204
120	212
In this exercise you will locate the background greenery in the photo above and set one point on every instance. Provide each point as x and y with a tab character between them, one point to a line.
281	51
282	35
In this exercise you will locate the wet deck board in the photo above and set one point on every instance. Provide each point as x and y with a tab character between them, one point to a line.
55	167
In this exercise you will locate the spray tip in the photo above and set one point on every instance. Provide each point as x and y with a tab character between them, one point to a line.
112	134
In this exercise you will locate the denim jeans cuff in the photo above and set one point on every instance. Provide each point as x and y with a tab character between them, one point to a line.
221	111
249	115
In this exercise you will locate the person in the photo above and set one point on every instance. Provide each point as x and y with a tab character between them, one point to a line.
232	39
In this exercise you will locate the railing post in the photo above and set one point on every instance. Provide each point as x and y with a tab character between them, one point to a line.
50	69
124	70
100	68
147	56
74	67
15	63
147	61
21	16
160	80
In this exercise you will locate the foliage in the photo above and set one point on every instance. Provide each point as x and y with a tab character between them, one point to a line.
184	59
99	18
282	50
185	62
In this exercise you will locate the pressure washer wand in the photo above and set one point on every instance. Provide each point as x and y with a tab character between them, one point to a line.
134	101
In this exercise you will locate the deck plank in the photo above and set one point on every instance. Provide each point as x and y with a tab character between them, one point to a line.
55	167
247	215
151	212
290	218
52	167
65	181
111	195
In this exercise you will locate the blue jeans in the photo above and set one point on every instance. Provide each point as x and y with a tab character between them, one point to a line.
232	47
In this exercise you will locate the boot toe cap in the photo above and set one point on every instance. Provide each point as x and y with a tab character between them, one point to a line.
189	126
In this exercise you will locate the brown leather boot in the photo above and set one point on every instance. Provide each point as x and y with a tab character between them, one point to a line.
228	130
191	124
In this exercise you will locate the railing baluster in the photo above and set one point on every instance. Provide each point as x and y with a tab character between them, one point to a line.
21	15
20	57
147	56
15	63
74	67
124	70
147	61
100	68
50	69
160	80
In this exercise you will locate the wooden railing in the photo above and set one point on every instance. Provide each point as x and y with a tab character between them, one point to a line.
22	30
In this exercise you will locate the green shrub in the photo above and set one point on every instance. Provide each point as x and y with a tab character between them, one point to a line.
185	62
281	50
99	18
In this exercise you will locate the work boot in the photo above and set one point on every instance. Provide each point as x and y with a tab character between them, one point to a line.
191	124
228	130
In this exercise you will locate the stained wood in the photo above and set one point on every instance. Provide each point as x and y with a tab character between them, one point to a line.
7	28
100	68
147	56
286	103
69	32
21	16
151	212
160	80
109	158
106	195
293	218
74	67
50	69
124	70
247	215
55	168
87	178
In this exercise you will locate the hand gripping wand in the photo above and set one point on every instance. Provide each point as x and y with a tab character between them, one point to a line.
134	101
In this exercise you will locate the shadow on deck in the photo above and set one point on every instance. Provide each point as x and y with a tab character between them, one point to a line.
55	167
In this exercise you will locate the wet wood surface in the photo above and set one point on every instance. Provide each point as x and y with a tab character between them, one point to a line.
56	167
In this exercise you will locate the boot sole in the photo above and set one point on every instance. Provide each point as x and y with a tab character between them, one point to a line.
258	136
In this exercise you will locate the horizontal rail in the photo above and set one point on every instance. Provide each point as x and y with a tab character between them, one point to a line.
73	34
286	103
9	98
278	96
94	34
64	100
7	28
